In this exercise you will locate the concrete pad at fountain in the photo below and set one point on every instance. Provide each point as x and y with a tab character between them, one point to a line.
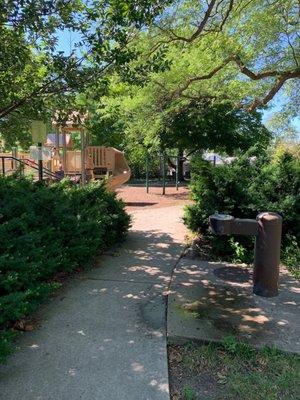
209	301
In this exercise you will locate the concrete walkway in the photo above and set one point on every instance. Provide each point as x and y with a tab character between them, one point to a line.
104	334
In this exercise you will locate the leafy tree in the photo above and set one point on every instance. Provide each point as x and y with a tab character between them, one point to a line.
36	77
226	54
222	53
170	53
281	126
242	51
135	118
203	125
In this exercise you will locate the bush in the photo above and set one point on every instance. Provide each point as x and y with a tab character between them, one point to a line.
45	230
243	189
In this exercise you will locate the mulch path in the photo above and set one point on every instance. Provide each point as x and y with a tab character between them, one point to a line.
136	197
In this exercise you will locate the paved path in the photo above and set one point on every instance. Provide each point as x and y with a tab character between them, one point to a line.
104	335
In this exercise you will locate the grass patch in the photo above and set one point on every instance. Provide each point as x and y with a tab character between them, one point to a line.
232	371
188	393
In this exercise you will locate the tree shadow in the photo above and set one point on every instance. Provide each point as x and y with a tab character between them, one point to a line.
104	334
139	204
213	300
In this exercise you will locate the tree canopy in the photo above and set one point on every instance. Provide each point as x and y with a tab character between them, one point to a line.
201	126
36	76
243	51
144	62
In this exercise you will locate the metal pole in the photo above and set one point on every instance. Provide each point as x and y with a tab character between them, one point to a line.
147	172
164	174
267	254
83	177
3	166
87	138
40	161
177	172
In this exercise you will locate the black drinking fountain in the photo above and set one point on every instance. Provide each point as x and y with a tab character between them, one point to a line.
267	231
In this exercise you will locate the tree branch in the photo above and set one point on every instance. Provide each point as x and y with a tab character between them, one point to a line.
200	31
42	89
7	110
278	85
200	27
185	86
282	77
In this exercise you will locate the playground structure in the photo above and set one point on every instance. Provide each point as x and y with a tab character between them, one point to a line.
55	159
99	163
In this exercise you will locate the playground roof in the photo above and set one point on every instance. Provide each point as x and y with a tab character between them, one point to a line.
51	140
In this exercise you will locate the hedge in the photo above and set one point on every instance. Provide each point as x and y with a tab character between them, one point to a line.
46	230
244	188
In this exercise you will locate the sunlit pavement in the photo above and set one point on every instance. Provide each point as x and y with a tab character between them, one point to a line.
209	301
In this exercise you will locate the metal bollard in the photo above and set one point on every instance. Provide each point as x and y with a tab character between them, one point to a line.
267	229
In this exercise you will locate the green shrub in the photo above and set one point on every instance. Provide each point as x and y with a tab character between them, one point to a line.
244	188
45	230
6	348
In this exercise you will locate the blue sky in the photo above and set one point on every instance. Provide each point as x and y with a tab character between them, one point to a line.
275	106
67	40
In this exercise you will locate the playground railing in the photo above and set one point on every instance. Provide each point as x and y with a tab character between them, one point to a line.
13	162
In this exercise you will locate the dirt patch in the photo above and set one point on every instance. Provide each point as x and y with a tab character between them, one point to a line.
190	377
234	274
136	197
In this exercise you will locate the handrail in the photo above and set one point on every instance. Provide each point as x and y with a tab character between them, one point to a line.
29	164
36	164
